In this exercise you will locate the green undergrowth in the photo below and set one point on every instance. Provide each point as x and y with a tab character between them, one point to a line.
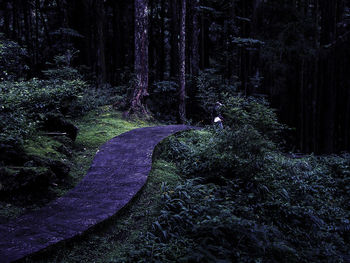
95	128
71	158
243	200
263	206
228	195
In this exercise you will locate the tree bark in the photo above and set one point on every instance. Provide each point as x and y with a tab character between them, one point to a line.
100	44
204	43
6	25
28	27
141	56
328	68
174	53
161	65
118	51
182	63
36	50
194	39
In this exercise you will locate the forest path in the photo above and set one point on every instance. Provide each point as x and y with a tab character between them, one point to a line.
118	172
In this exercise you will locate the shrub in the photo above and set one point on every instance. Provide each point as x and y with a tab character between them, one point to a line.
61	67
238	111
266	207
216	153
242	200
36	97
210	88
25	105
12	60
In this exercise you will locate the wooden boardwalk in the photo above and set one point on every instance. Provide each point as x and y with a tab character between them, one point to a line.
117	174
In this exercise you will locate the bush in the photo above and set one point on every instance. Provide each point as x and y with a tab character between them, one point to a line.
262	207
238	111
219	153
210	88
26	107
242	200
61	68
12	60
24	104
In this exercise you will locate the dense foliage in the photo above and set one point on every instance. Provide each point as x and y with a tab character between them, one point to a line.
243	200
295	52
239	196
32	112
26	103
12	60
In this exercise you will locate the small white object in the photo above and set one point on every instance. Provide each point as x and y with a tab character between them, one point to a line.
217	119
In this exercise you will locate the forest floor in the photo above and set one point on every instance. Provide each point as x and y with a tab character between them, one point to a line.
258	204
116	235
118	172
95	128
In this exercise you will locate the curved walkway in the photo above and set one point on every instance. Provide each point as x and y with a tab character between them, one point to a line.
118	172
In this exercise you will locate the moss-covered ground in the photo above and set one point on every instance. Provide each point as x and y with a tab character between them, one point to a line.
95	128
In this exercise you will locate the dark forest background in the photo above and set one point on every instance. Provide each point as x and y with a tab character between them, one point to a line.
75	74
295	52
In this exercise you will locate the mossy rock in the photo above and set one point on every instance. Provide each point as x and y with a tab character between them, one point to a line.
59	168
44	147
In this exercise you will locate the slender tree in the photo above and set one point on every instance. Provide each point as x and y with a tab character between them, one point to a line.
162	60
182	63
100	43
174	52
141	56
194	69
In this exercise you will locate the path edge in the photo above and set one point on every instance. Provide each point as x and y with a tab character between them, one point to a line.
68	242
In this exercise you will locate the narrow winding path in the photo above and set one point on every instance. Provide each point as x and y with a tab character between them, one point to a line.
118	172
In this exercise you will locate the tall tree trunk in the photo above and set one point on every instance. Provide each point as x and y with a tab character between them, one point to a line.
62	7
28	27
204	43
6	27
301	106
100	44
36	50
14	21
327	74
174	55
162	60
81	15
194	39
182	63
118	46
153	40
245	54
46	29
141	56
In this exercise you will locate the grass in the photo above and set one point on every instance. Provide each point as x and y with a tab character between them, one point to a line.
44	146
99	126
117	235
95	128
